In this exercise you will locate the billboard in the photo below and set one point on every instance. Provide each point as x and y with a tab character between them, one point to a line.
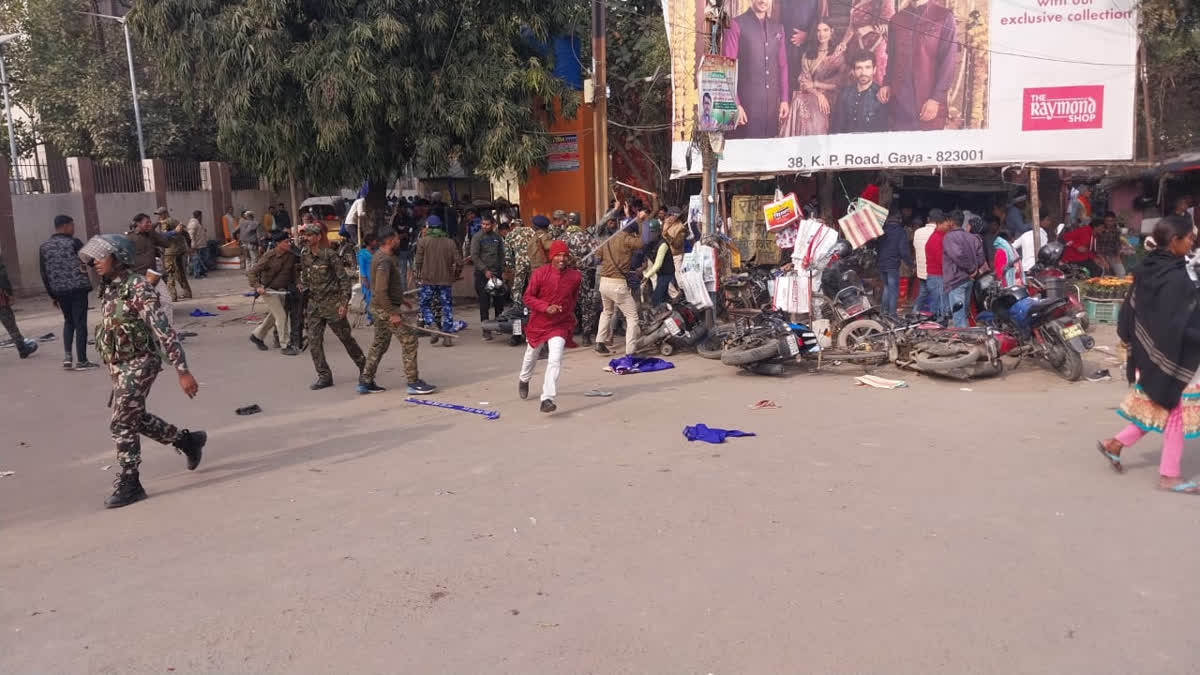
856	84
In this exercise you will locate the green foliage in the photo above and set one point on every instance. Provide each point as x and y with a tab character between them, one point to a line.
343	89
1171	31
639	80
71	75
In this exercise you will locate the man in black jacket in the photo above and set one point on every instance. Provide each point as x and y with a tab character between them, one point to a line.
487	255
24	347
857	109
68	286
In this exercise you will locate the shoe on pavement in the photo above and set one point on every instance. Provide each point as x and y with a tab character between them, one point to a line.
262	346
31	346
83	365
487	336
420	388
320	384
128	490
370	388
1100	376
602	348
191	445
548	405
68	364
523	389
433	339
289	351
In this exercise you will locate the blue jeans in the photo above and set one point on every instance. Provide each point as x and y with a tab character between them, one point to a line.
956	296
405	259
930	297
891	290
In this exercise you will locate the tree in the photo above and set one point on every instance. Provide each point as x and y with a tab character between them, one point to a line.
639	106
335	92
1171	32
70	76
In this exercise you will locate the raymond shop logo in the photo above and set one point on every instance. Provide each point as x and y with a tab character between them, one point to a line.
1057	108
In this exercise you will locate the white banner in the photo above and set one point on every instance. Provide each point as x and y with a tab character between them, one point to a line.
858	84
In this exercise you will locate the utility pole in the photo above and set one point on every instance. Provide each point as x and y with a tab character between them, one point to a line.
1145	101
1035	209
711	142
137	111
12	139
600	103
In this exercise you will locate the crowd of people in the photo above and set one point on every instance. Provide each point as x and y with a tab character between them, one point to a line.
944	251
573	282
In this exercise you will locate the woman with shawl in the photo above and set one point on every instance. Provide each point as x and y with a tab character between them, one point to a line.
823	69
1160	323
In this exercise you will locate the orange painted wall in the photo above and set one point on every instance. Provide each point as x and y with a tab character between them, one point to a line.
573	190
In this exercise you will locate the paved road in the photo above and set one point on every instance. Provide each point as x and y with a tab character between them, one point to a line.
924	530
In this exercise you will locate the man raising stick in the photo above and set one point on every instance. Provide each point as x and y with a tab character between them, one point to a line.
550	297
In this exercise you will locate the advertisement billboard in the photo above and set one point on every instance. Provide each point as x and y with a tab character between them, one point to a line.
857	84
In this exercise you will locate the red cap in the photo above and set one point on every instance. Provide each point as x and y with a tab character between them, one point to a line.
557	247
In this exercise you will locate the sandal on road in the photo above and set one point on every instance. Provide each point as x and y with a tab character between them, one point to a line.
1113	460
1189	487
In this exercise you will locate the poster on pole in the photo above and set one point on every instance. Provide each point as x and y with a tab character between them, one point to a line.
718	104
564	153
859	84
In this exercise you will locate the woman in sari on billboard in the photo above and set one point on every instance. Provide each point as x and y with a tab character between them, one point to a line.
823	71
867	32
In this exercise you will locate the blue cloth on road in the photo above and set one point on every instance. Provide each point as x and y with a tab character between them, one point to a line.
638	364
703	432
200	312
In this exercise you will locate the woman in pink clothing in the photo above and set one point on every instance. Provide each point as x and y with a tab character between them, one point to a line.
1160	322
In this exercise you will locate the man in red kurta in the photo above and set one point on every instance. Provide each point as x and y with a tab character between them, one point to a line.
550	296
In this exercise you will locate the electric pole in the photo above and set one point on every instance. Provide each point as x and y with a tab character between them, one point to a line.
600	104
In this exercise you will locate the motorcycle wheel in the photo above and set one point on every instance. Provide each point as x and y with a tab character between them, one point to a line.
710	347
937	356
743	357
853	332
666	349
1067	362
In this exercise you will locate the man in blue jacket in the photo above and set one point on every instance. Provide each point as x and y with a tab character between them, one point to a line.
893	249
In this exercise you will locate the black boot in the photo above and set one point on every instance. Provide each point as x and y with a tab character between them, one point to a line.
191	445
128	490
26	347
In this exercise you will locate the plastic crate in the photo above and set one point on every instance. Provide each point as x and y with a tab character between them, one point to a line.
1102	311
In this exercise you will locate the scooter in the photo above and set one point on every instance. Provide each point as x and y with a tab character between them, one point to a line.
511	321
1049	278
670	326
1044	327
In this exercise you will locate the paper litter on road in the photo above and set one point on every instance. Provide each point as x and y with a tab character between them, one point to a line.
764	405
879	382
965	389
6	474
596	393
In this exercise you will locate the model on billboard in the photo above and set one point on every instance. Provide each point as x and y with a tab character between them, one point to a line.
922	62
798	18
868	31
858	109
822	72
756	41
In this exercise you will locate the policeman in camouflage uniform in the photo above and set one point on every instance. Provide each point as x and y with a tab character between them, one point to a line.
580	244
132	338
173	257
516	258
387	300
558	224
323	274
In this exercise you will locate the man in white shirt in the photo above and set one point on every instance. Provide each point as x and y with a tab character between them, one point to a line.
1024	243
921	236
358	211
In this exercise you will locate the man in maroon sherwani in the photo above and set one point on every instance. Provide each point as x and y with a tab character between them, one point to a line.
922	61
757	42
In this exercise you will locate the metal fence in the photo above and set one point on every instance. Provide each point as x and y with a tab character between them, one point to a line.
241	179
30	177
121	177
182	175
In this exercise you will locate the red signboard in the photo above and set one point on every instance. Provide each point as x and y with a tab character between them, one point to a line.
1059	108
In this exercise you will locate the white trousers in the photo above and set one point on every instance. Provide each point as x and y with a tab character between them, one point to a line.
276	318
165	301
614	296
553	366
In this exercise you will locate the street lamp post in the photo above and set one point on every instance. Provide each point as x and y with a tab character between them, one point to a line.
137	112
12	137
